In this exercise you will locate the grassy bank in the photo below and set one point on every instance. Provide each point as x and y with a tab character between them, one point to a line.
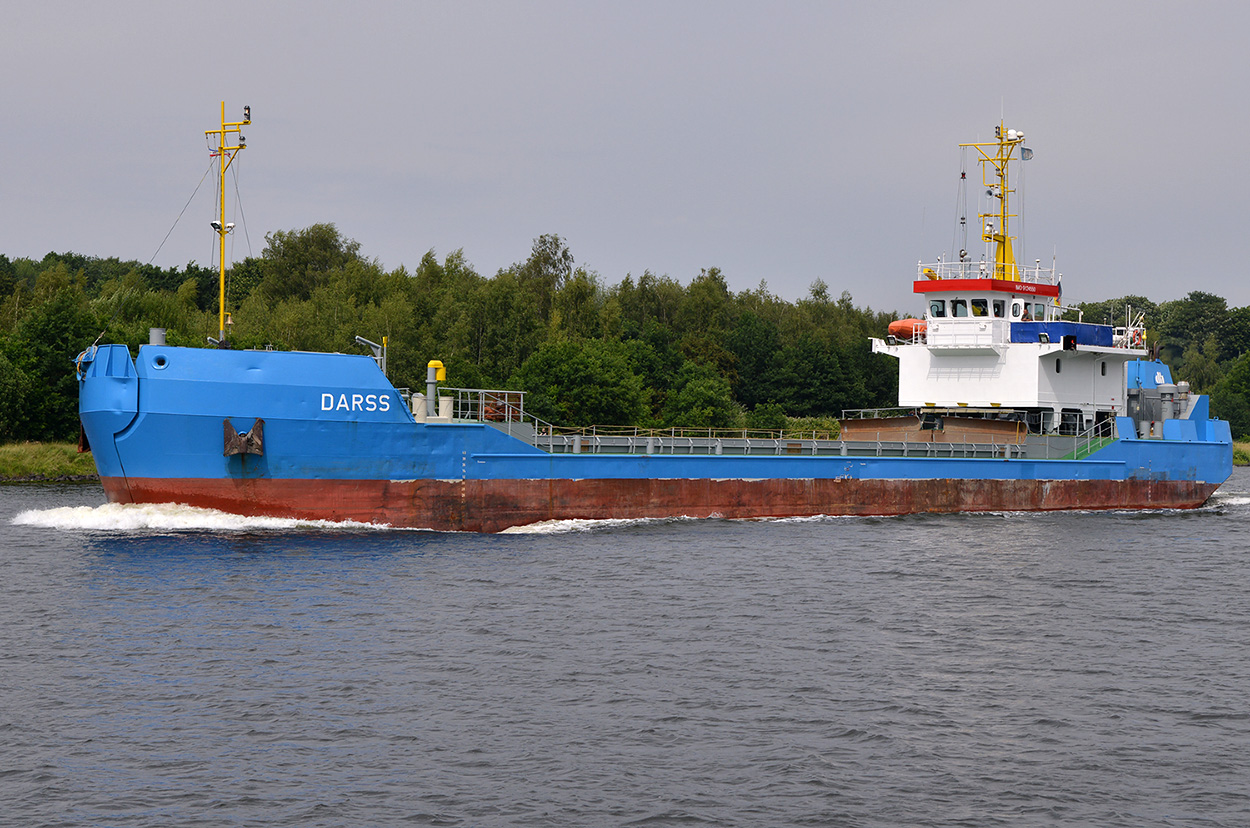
1241	454
44	461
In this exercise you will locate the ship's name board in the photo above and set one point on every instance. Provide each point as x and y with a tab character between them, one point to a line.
999	285
355	402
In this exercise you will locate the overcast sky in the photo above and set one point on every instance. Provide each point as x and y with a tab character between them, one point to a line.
780	142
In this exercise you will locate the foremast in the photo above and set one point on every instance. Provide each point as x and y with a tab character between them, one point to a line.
225	153
995	223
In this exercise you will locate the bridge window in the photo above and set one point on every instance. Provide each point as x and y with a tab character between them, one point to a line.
980	307
959	307
937	307
1039	312
1000	308
1016	310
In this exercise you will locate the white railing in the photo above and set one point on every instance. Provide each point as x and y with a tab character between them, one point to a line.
506	411
1035	274
1131	337
1079	446
488	405
967	333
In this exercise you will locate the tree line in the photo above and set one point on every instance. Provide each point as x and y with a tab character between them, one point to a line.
647	351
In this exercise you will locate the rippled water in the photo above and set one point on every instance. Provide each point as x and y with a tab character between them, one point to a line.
164	666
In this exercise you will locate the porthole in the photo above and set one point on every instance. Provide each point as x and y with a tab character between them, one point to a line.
159	362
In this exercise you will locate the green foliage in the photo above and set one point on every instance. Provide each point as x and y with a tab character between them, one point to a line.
242	279
1230	399
14	387
1235	337
1198	311
41	353
577	307
642	352
1112	311
811	372
799	426
582	383
755	342
701	399
1200	364
297	262
654	299
769	415
8	276
654	356
545	272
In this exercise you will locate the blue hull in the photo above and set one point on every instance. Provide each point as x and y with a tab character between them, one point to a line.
340	442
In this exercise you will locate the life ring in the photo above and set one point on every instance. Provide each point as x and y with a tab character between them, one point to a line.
1137	338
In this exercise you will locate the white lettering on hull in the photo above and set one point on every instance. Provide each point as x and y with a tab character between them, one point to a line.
356	402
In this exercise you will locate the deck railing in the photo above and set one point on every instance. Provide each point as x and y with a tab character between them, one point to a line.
1034	273
505	410
1087	442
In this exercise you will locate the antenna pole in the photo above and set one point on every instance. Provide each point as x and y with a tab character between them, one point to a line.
225	153
995	223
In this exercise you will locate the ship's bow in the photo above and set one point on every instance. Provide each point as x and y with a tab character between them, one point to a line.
108	401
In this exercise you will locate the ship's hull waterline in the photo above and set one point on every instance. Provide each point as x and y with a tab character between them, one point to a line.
495	505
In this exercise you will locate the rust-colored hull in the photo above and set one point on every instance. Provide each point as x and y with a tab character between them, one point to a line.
490	506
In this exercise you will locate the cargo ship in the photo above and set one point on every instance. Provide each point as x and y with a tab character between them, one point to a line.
1006	403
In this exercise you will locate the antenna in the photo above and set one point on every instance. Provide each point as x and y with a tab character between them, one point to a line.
995	161
225	154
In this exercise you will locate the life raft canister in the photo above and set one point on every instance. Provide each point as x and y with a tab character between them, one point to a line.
907	328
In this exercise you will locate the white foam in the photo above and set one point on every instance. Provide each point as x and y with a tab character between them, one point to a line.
559	527
140	517
804	519
1231	499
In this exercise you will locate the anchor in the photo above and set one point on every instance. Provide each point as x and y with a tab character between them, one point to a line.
253	442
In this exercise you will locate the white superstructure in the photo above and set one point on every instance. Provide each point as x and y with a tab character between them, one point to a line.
992	339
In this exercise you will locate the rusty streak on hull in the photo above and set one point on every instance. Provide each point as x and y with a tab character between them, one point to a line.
494	505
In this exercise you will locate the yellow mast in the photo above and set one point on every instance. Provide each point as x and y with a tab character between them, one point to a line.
995	224
224	153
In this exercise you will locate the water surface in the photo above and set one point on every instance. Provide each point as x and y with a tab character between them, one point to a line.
169	666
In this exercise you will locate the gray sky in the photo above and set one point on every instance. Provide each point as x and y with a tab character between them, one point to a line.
784	142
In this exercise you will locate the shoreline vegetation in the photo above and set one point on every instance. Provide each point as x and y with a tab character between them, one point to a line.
647	351
45	463
62	462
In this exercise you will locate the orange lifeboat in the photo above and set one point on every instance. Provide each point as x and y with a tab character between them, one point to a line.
907	328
